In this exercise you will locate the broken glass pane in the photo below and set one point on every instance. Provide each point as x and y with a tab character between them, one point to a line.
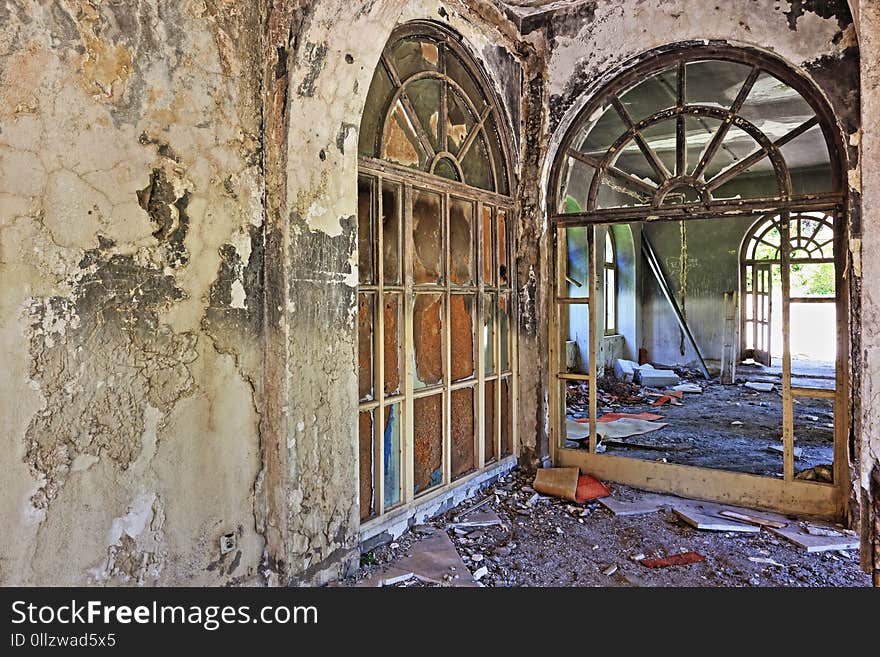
400	143
574	263
391	446
393	343
575	189
366	274
489	332
427	443
427	340
503	250
489	422
366	303
391	232
461	241
459	122
504	331
651	95
506	418
427	237
463	432
488	248
461	325
715	82
410	56
365	462
814	440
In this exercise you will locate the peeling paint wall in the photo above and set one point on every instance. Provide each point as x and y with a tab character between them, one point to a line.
130	250
866	262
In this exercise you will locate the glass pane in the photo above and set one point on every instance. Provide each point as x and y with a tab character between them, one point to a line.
575	188
380	91
427	442
715	82
814	440
462	310
488	248
489	422
651	95
630	159
461	241
457	72
445	169
506	418
427	237
613	194
610	300
365	345
574	267
391	446
609	247
411	56
463	458
391	199
601	134
427	340
503	250
366	273
699	132
424	95
400	143
365	462
494	141
758	181
475	164
504	331
393	342
459	122
490	310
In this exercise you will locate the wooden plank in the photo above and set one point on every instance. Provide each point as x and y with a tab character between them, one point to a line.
705	516
803	539
594	286
733	488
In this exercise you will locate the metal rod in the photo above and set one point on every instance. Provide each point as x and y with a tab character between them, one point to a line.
654	264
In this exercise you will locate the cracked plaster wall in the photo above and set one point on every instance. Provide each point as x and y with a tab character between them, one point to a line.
131	305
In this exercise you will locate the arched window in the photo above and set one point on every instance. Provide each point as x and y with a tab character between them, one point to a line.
697	130
610	284
436	343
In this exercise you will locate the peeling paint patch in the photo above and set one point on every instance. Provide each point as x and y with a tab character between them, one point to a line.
315	56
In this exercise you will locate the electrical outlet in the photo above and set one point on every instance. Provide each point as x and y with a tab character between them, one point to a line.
227	543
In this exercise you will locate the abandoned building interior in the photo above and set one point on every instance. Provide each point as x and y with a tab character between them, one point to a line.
283	280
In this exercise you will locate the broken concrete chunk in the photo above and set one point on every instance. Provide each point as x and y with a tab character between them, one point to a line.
624	370
480	573
760	387
658	378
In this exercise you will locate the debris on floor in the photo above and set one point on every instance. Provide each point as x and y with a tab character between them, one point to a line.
810	537
754	520
703	515
760	387
688	387
433	561
824	473
569	484
682	559
779	449
558	542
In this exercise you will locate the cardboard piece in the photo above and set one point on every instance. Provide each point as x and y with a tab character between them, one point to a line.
558	482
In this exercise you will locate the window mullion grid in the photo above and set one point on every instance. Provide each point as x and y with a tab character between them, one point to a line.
407	450
379	349
446	342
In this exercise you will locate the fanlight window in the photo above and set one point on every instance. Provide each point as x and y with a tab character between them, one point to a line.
427	109
810	234
694	132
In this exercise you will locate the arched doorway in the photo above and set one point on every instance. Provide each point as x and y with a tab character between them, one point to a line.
690	147
436	308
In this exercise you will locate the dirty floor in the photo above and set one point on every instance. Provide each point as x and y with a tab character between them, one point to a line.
553	542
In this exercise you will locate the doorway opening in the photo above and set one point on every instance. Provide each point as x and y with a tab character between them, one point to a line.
724	166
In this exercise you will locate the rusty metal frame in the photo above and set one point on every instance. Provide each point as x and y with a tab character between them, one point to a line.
788	494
